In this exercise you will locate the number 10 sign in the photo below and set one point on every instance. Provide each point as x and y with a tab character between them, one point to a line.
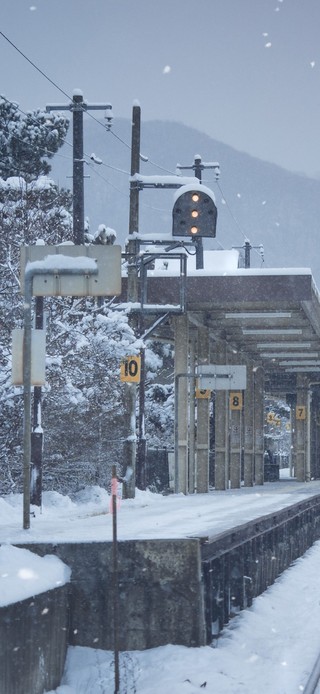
130	369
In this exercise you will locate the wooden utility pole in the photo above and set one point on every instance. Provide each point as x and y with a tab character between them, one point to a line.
132	296
78	106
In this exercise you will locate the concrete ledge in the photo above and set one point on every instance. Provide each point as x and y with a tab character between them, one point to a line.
34	638
160	593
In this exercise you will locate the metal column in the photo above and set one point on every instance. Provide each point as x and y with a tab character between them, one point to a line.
248	467
203	409
181	400
258	403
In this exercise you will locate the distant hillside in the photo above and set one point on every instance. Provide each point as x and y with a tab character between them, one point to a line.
257	201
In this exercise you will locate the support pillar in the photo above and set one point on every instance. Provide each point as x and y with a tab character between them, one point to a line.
248	464
258	400
301	419
181	403
203	409
235	447
221	429
192	420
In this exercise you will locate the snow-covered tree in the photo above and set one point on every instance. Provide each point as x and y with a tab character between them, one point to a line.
83	400
83	403
159	395
28	140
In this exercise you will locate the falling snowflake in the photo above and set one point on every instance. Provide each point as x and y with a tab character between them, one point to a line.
268	45
166	69
312	63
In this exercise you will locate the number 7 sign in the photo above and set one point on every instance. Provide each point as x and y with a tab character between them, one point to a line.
301	412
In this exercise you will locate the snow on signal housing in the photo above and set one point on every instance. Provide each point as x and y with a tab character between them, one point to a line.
194	212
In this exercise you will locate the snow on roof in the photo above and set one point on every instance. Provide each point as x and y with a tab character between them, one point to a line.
24	574
215	263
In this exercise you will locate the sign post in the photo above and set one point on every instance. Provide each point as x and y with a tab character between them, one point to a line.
32	270
114	500
222	377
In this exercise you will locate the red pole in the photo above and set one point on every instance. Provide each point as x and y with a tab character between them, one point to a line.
114	490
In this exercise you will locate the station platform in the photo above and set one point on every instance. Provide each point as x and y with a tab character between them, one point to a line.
87	516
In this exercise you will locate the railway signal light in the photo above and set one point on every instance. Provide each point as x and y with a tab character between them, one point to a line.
194	212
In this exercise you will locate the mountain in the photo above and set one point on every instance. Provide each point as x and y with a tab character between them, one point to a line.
257	201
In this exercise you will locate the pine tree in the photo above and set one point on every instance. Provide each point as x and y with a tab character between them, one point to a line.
27	141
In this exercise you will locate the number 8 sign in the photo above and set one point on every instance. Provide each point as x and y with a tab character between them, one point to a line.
235	401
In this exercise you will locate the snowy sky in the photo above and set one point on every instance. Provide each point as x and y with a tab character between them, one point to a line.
245	72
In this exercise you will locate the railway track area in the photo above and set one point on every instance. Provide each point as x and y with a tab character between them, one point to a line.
270	648
278	637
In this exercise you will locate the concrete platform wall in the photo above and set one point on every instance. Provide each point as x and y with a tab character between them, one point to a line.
170	591
160	593
34	640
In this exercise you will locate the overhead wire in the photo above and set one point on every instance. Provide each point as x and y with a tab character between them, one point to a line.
245	238
34	65
62	91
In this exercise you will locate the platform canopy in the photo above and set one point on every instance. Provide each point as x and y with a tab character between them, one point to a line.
269	316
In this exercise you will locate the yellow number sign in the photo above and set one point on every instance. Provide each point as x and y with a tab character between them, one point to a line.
235	401
130	369
301	412
203	394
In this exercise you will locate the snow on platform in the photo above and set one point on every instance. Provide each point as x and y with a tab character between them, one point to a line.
23	574
87	517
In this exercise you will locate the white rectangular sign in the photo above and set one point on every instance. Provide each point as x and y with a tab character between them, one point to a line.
106	283
222	377
38	357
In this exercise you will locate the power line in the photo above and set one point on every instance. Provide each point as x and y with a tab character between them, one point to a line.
237	223
62	91
34	65
231	213
44	74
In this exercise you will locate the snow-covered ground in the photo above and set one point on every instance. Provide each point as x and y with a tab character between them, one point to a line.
87	517
269	649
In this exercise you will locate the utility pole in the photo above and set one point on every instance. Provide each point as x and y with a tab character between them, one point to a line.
78	106
133	249
37	434
132	296
247	250
198	166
